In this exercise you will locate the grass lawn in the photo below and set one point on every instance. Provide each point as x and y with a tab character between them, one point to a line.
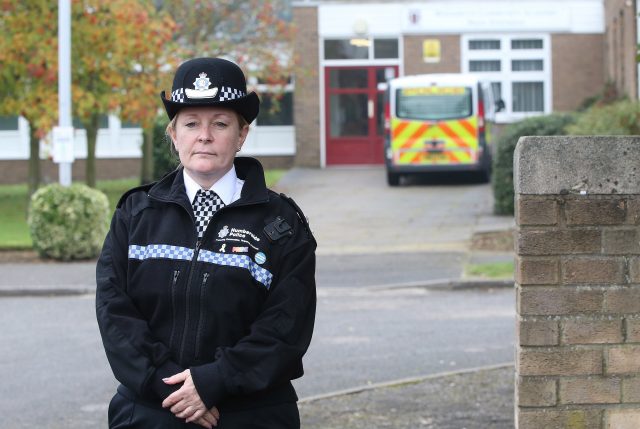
14	232
491	270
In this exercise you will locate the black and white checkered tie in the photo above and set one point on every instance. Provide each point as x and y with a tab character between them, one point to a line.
205	205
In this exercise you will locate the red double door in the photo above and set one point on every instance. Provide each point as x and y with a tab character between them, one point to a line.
354	114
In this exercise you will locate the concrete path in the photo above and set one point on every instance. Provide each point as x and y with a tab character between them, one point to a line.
353	211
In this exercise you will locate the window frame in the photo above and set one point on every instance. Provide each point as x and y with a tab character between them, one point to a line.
266	89
506	77
370	60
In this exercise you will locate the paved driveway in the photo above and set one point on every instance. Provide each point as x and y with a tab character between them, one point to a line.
353	211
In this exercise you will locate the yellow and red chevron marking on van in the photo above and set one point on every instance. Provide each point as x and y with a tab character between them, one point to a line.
411	141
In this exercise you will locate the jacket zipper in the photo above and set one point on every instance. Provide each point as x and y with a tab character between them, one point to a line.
203	286
186	305
176	274
193	261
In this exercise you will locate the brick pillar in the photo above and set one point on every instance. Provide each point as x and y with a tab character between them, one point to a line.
306	97
578	282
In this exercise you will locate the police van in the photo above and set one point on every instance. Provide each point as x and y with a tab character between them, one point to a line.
438	122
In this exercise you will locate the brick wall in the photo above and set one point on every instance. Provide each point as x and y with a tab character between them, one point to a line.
576	76
17	171
307	89
449	55
577	282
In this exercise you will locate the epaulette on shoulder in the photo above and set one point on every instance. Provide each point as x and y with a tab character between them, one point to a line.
124	196
298	210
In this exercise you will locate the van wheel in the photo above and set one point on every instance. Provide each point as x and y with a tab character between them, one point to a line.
484	176
393	179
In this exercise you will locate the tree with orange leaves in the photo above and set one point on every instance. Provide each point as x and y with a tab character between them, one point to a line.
257	34
28	71
118	49
139	100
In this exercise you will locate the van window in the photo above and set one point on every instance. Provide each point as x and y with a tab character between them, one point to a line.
434	103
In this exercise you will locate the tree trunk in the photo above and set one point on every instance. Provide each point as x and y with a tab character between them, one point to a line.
147	155
34	161
92	135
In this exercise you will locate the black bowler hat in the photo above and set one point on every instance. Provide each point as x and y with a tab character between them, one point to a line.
211	82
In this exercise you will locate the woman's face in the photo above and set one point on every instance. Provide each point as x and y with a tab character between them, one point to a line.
207	139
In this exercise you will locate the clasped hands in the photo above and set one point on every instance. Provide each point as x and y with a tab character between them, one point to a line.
185	403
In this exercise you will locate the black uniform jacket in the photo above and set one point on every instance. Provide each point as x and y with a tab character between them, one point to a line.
237	307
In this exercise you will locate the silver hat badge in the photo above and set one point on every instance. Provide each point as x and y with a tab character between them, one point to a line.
201	85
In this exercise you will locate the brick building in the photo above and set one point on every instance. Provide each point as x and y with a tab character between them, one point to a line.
540	55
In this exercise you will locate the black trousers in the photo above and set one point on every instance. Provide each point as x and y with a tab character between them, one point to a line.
129	413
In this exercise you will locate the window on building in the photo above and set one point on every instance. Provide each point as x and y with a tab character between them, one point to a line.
518	69
528	96
275	109
496	87
346	49
526	65
484	44
385	48
360	48
8	123
526	44
484	65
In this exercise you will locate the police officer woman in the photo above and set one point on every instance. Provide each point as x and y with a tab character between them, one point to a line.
205	284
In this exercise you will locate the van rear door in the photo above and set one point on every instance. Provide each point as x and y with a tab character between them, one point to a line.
434	125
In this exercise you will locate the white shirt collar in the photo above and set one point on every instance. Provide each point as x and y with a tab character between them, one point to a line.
228	187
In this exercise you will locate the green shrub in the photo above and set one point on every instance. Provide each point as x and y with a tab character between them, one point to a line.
620	118
165	158
502	179
68	222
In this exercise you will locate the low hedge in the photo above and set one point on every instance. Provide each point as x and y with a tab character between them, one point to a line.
619	118
502	179
68	222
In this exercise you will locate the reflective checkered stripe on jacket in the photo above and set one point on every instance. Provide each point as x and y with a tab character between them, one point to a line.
412	142
165	251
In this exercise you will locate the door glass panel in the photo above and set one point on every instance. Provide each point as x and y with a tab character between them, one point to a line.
348	115
380	114
348	78
385	74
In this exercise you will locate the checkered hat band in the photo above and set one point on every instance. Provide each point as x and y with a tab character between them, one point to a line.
226	93
241	261
166	251
177	96
157	251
